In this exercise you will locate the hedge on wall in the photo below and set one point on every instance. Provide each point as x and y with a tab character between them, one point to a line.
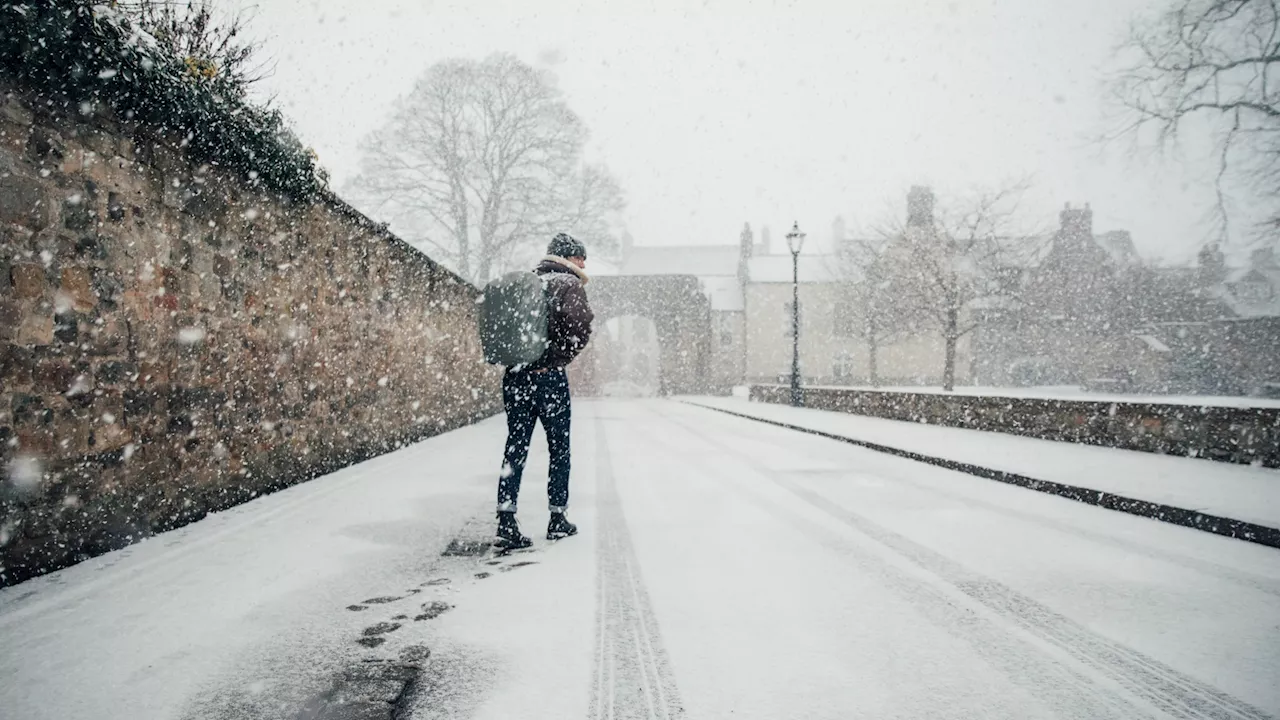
88	55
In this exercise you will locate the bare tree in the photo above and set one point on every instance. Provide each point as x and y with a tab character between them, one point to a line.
483	162
1216	61
868	307
945	261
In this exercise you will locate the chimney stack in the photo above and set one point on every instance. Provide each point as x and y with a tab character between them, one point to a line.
919	206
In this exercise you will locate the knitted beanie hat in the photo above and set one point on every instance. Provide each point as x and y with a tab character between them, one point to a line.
565	246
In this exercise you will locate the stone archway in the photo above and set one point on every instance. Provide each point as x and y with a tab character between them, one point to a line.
680	312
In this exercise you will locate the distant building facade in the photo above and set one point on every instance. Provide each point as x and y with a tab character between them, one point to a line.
1074	307
718	269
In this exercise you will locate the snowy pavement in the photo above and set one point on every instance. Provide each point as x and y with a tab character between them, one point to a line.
1068	392
1239	492
725	568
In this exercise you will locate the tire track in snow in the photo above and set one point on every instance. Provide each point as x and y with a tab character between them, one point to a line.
1164	687
1067	691
633	677
1257	582
1156	684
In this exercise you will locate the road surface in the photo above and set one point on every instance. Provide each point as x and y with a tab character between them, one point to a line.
725	569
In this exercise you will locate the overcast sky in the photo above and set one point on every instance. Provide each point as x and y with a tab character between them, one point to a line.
771	112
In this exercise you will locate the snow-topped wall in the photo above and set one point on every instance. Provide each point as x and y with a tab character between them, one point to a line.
174	341
1238	430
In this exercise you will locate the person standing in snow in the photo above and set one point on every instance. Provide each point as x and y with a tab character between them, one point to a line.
540	392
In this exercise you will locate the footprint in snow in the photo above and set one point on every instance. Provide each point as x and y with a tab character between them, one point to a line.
433	610
381	628
415	653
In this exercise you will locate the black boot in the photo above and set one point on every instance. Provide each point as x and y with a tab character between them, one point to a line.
509	536
560	527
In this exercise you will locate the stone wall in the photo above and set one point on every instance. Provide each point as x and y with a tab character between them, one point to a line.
1231	434
174	341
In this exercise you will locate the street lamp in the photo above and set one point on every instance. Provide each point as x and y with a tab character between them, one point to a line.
795	241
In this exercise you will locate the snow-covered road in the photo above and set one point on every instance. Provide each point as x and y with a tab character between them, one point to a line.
726	568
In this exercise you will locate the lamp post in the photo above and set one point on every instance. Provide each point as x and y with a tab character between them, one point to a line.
795	241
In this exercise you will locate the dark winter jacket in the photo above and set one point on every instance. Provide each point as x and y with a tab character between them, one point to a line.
569	326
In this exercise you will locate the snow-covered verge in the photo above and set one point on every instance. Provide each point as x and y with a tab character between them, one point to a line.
1249	435
1071	392
725	568
1239	492
245	606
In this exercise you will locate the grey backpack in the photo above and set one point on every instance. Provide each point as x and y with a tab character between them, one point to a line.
513	319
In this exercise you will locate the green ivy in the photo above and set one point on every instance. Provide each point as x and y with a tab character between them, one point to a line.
86	55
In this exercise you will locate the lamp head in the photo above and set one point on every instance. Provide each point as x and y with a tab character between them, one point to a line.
795	239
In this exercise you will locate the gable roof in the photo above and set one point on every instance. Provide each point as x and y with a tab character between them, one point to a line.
777	269
724	292
700	260
1239	292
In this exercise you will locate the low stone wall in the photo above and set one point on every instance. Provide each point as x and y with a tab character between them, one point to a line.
1230	434
174	341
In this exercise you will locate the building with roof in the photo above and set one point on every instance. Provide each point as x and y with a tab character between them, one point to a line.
718	269
750	293
1087	311
1252	291
1072	307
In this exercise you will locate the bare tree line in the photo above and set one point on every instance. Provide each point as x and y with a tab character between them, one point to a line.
1214	62
482	162
930	270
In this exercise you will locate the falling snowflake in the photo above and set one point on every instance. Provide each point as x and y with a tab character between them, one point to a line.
79	386
25	473
62	302
190	335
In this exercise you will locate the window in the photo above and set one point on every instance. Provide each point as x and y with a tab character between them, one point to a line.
726	338
842	368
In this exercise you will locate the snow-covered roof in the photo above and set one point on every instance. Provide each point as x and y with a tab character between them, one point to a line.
1024	251
777	269
1255	292
1031	251
1154	343
1119	245
700	260
725	293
